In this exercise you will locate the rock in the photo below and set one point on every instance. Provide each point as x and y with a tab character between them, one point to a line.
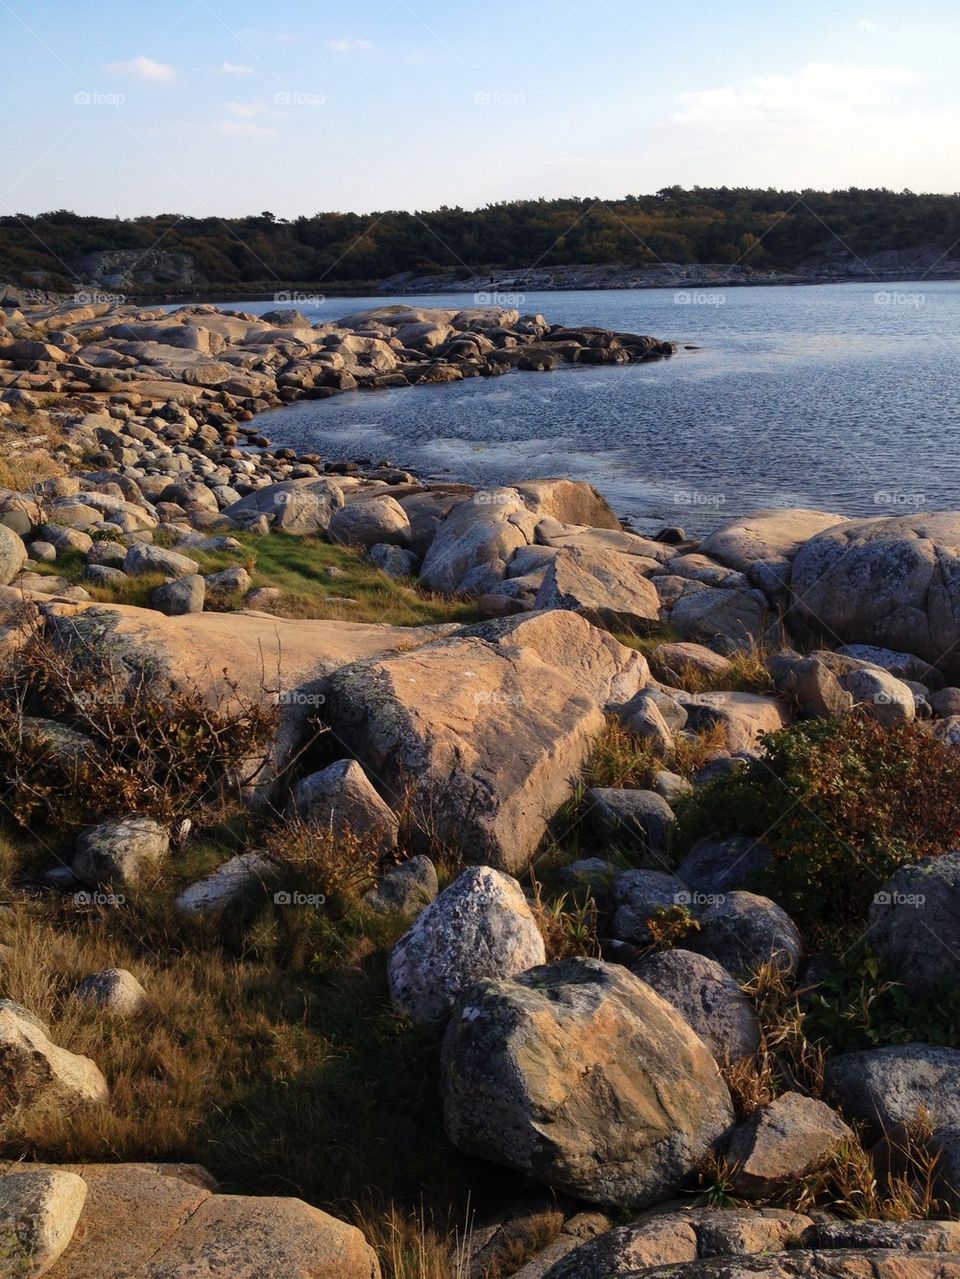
493	725
902	665
945	703
790	1137
104	575
607	588
121	852
763	544
37	1076
639	820
65	540
406	889
707	612
369	521
227	583
886	582
674	662
744	717
816	690
106	551
141	559
298	507
708	999
802	1264
643	716
662	1237
889	1086
229	883
594	874
569	501
741	931
249	1238
580	1076
42	552
39	1211
904	1236
185	595
914	920
13	555
115	990
479	927
715	866
884	697
393	560
341	797
638	895
484	530
671	786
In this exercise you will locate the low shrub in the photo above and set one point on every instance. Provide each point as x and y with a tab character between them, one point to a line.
841	804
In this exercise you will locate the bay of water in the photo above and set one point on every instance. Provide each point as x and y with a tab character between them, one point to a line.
844	397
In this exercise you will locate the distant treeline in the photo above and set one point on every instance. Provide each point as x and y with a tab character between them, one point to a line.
767	230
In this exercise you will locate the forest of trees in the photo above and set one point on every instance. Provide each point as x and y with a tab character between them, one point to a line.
765	229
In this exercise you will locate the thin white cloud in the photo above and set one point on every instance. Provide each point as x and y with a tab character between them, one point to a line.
348	46
246	109
144	68
234	68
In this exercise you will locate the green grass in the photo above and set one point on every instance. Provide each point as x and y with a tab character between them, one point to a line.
299	567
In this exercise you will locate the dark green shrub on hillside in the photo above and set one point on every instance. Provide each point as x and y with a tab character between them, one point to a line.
841	804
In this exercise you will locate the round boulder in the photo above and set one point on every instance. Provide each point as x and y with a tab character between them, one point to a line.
707	998
579	1075
369	521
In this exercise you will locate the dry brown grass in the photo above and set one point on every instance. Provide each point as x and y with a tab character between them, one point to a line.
621	758
568	926
27	445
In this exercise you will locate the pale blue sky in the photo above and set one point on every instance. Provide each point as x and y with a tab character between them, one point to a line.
202	106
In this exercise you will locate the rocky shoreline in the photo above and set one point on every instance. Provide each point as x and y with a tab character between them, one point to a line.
602	823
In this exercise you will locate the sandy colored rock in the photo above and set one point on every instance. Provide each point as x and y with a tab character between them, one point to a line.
38	1214
607	588
39	1077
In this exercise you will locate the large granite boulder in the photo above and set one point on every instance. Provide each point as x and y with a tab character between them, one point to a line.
580	1076
791	1136
763	544
889	1086
293	506
369	521
889	582
607	588
481	926
13	555
38	1077
39	1210
482	532
744	717
707	998
489	729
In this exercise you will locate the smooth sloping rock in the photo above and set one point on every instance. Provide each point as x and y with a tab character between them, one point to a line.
890	1086
786	1139
484	530
249	1238
799	1263
579	1075
764	543
341	797
121	852
609	589
912	1236
889	582
707	998
38	1077
569	501
491	737
479	927
39	1211
915	923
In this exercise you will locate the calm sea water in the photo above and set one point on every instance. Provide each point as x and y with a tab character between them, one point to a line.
844	397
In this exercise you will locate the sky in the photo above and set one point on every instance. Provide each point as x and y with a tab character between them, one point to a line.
203	107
